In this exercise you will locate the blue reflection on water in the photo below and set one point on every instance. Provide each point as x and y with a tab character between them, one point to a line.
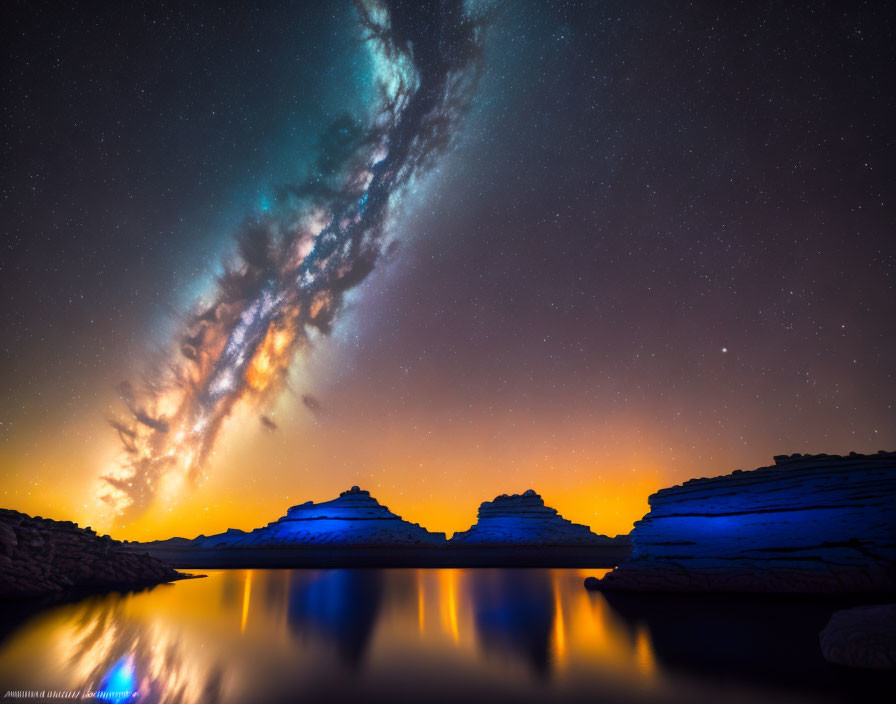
514	612
118	683
340	605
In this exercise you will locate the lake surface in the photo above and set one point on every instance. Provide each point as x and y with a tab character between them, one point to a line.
532	635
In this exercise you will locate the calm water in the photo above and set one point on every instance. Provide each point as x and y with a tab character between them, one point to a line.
420	635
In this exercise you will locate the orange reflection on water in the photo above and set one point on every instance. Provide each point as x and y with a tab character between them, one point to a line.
421	601
644	651
559	627
247	594
449	586
444	625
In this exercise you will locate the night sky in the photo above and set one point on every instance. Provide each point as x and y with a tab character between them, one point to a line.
658	244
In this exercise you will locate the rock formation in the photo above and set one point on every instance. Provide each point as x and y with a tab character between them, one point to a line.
810	523
39	557
862	637
354	519
523	519
354	530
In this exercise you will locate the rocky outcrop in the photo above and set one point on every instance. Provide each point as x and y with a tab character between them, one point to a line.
39	557
355	530
862	637
352	520
810	523
523	519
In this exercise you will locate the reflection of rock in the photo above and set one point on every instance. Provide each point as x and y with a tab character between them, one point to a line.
353	519
98	633
523	519
514	613
821	523
39	556
862	637
340	606
750	638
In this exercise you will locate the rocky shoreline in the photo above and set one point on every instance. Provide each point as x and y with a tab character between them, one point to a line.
40	557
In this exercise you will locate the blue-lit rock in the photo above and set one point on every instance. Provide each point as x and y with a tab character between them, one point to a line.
353	519
810	523
523	519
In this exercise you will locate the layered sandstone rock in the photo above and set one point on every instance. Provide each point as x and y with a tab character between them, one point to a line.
810	523
523	519
39	557
353	519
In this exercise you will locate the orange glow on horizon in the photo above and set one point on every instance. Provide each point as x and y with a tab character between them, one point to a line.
424	465
608	507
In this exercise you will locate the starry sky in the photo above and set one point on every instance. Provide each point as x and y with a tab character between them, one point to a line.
658	244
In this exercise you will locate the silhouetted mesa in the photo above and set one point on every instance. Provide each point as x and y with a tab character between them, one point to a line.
523	519
40	556
810	523
355	519
355	530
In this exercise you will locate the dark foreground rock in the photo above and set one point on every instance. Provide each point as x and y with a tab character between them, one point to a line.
821	524
862	637
43	557
523	519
